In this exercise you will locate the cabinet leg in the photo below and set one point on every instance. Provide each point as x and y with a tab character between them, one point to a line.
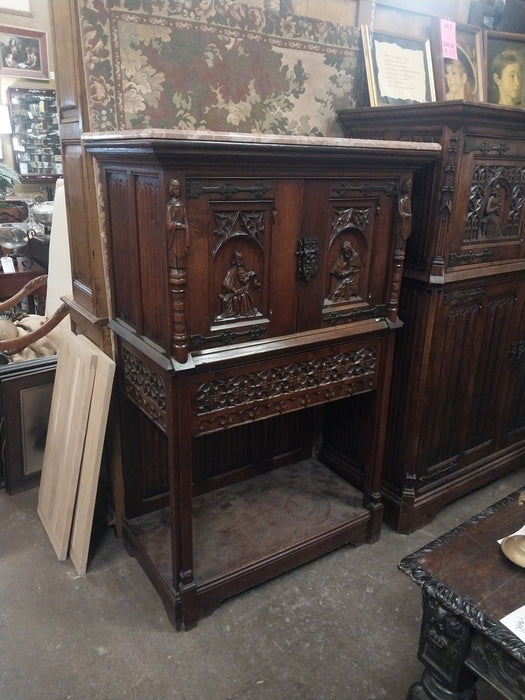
188	600
430	688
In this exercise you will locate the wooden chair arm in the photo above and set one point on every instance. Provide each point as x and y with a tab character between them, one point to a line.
10	347
27	289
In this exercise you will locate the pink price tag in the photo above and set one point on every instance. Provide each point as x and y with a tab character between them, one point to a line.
448	39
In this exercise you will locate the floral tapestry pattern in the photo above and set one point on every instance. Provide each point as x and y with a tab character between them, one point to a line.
215	64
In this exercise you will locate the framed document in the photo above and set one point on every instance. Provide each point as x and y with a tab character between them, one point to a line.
398	68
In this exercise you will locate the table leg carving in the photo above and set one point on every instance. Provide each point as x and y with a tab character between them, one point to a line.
431	688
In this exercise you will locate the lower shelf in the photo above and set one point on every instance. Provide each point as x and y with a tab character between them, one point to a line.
249	532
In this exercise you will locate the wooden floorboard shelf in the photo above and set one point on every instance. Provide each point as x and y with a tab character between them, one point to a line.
286	513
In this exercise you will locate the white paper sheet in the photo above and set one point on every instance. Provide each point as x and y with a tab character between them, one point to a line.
515	621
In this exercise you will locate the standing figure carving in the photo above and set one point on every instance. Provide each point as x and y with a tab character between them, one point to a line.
237	285
494	216
404	208
345	273
178	244
176	226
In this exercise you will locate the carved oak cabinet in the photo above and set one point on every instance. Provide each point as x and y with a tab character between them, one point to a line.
254	290
457	414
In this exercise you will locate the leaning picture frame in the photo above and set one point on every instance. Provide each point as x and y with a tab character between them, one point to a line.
398	68
462	78
23	53
26	390
505	66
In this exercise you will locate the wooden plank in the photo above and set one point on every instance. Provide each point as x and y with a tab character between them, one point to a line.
69	413
91	458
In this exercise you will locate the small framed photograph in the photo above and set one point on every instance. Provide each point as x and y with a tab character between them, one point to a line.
398	68
26	390
505	68
462	78
23	53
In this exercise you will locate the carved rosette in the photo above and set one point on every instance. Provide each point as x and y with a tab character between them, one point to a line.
144	388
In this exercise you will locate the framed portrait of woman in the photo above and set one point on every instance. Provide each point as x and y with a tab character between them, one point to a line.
463	77
505	68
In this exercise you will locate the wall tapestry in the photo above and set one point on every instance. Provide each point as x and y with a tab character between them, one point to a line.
215	64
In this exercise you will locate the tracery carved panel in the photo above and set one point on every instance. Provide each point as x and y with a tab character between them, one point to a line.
239	222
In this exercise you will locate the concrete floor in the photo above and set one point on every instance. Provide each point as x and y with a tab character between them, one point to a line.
344	627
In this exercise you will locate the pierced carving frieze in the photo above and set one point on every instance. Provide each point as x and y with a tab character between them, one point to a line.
281	405
195	189
145	388
495	209
236	297
278	382
307	259
230	336
239	223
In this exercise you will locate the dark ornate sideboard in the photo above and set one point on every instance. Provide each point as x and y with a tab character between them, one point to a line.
457	413
254	289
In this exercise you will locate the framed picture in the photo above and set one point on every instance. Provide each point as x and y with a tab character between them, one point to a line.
26	390
24	53
505	65
462	78
398	68
16	7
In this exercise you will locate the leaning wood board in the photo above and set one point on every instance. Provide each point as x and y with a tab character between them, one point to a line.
70	404
91	458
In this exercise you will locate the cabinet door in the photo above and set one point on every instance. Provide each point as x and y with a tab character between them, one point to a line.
346	242
242	259
467	405
488	217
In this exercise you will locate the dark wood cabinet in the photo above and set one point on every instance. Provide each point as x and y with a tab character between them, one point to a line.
457	413
255	284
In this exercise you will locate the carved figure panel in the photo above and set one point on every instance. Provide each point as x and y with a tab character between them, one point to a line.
344	273
348	247
497	196
238	248
236	297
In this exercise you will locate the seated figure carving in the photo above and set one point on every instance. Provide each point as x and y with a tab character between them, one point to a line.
236	296
344	274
